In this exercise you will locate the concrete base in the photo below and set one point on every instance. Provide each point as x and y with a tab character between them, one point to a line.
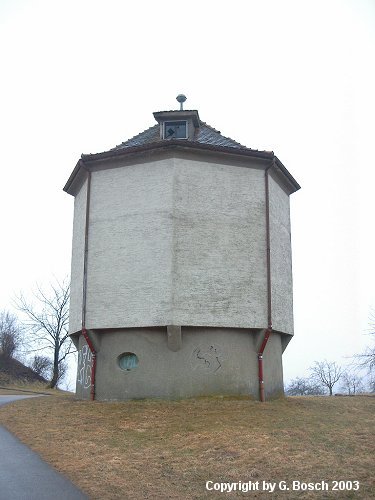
202	361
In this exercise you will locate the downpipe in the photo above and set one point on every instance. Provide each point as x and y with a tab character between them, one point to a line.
84	288
268	331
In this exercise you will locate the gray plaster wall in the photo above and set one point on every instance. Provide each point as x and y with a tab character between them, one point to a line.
181	241
211	361
78	244
177	241
281	258
130	246
219	276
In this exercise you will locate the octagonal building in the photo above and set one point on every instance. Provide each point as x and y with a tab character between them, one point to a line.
181	281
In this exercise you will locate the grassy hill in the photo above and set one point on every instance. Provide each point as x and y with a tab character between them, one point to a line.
13	371
169	449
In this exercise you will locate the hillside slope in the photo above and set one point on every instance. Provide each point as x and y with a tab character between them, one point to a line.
12	370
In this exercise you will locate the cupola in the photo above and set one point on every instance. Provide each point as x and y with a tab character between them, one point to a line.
178	124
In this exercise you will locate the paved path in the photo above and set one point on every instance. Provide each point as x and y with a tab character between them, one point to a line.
24	475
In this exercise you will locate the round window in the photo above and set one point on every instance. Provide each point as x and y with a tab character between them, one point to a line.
128	361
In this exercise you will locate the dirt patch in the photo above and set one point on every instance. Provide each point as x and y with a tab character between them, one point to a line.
160	450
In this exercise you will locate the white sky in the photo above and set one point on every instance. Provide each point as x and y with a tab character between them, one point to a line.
295	77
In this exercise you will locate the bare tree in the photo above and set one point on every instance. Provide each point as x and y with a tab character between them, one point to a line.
351	382
327	373
304	387
63	370
41	365
367	358
10	334
46	323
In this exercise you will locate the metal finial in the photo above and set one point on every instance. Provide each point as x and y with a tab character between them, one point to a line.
181	98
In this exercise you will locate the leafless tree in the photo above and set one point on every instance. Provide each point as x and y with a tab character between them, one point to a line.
327	373
304	387
10	334
46	323
63	370
41	365
351	382
367	358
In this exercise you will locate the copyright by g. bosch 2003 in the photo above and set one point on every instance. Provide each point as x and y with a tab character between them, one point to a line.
271	486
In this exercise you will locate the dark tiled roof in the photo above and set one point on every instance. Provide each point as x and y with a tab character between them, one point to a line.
205	138
208	135
148	136
203	135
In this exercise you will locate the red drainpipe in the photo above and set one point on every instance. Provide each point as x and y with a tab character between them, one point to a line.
84	287
268	331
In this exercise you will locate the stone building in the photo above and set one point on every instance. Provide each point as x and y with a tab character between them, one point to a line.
181	279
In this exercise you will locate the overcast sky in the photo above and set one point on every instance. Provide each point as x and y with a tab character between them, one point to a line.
294	77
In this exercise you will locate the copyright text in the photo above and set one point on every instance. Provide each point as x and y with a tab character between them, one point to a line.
271	487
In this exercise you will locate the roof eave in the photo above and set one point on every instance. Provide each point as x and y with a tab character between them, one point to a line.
288	175
85	160
69	186
180	143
